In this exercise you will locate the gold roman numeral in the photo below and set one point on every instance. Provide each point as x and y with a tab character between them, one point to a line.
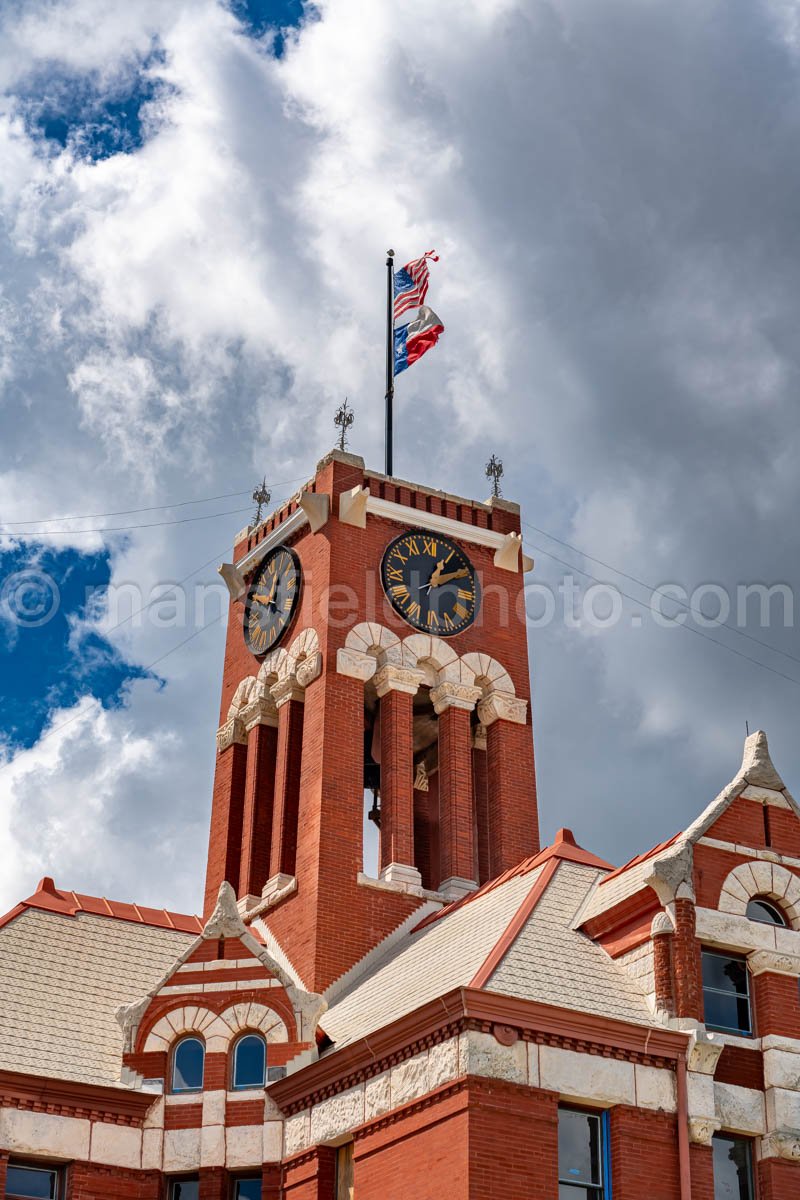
429	546
448	624
463	594
413	610
460	611
433	619
399	591
413	545
395	573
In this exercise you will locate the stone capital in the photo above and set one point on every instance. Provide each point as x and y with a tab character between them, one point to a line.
285	690
232	731
703	1051
402	873
702	1130
261	711
309	669
391	678
502	706
782	1143
355	663
775	961
454	695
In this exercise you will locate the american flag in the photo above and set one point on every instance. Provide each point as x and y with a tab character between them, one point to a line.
411	284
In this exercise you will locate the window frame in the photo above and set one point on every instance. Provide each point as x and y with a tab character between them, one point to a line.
733	957
769	903
244	1087
723	1135
237	1179
186	1091
29	1165
602	1116
174	1180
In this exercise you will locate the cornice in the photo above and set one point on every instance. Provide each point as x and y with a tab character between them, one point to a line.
106	1103
466	1008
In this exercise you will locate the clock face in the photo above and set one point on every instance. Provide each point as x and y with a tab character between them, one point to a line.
430	582
272	600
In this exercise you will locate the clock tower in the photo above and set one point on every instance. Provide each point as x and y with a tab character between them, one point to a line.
376	659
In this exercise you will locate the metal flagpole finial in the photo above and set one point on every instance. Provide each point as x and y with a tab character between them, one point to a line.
344	419
494	471
262	495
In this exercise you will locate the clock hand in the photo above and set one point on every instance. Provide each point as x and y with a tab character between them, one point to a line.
437	579
270	599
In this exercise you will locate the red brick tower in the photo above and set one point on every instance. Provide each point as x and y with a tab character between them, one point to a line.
376	641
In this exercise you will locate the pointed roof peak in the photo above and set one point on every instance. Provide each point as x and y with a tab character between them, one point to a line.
757	766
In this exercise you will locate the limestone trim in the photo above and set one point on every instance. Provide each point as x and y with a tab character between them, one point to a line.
454	695
760	878
391	678
775	962
702	1130
498	706
280	534
113	1105
261	711
781	1143
231	732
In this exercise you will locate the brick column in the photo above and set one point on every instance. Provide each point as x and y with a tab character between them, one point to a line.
289	700
686	963
396	688
453	704
227	807
702	1170
311	1175
3	1167
778	1178
260	720
661	932
512	811
480	786
213	1183
775	990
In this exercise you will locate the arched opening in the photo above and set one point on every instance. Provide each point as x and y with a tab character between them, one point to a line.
188	1063
762	909
249	1062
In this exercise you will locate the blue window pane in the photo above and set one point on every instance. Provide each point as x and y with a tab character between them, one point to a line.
733	1170
187	1068
250	1062
579	1159
31	1181
184	1189
727	1012
248	1189
762	910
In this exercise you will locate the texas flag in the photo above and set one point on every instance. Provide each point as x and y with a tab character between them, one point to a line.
412	340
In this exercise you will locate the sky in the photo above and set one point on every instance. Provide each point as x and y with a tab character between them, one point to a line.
196	198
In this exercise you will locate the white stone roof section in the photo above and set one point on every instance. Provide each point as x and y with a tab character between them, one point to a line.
61	981
616	889
551	962
444	954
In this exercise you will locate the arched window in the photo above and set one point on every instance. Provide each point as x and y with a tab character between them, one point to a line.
250	1061
188	1060
760	909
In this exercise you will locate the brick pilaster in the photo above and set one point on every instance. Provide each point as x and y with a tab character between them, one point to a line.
687	969
397	766
311	1176
287	779
213	1183
512	811
453	707
662	964
259	794
701	1162
227	808
480	786
778	1179
775	1004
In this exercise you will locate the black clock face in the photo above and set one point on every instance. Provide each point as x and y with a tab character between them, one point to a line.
430	582
272	600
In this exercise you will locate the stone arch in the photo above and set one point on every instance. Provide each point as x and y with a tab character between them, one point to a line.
761	878
276	666
245	691
488	674
176	1024
366	647
305	657
241	1018
436	659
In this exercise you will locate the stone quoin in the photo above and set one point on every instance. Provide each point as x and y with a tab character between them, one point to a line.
470	1015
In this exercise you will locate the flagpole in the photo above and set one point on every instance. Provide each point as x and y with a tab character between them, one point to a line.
389	355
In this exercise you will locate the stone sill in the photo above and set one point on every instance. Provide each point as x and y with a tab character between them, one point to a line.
410	889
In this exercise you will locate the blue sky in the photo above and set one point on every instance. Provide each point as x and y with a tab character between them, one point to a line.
195	203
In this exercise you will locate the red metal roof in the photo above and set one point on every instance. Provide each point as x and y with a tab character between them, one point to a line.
49	898
632	862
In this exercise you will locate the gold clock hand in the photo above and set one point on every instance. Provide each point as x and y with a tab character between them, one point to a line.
437	582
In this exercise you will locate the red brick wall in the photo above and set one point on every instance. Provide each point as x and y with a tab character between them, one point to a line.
3	1165
513	1141
397	779
776	1004
662	971
778	1179
310	1176
701	1160
644	1155
741	1067
225	835
262	742
89	1181
686	963
711	868
455	795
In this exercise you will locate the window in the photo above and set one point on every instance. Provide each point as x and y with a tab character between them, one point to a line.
185	1189
583	1159
344	1172
40	1183
247	1189
250	1061
764	910
733	1168
187	1068
726	993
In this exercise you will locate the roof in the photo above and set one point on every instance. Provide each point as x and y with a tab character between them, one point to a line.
513	936
64	971
49	898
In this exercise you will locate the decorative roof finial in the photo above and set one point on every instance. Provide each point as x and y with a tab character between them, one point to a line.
344	419
494	471
262	495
